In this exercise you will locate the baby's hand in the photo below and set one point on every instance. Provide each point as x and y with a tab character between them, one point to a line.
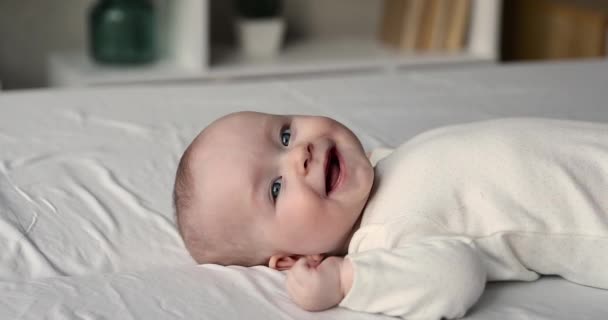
316	288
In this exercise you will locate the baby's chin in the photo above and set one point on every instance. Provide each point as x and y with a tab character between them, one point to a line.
341	247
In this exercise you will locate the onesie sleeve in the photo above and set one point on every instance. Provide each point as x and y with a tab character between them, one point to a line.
430	279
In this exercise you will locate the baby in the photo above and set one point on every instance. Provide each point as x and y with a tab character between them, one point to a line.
418	234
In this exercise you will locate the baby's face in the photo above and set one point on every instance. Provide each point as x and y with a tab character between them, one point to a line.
300	181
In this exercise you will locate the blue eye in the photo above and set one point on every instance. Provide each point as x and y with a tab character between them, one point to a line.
276	188
285	136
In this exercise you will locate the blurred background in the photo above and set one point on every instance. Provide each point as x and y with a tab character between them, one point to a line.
78	43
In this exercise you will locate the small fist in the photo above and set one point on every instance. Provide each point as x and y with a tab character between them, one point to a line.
316	288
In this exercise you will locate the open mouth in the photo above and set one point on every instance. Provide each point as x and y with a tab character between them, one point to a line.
332	170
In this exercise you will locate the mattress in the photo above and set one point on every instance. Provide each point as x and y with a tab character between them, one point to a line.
86	223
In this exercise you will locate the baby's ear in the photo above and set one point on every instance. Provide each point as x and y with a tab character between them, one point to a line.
282	262
285	262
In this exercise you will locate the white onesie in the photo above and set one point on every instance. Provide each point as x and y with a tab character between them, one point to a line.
458	206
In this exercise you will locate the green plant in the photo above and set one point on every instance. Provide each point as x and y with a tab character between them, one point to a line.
257	9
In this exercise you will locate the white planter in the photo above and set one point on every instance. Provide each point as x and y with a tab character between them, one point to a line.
260	38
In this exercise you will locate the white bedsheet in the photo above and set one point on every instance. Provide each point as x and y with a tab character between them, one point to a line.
86	223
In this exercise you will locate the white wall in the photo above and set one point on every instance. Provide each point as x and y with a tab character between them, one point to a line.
29	29
333	17
308	17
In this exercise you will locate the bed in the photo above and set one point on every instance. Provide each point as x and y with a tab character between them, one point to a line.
86	222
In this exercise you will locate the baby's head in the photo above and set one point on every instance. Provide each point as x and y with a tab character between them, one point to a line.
256	188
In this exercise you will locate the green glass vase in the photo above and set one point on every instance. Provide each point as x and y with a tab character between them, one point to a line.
122	32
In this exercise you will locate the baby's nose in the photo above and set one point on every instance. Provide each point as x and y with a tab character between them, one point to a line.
302	157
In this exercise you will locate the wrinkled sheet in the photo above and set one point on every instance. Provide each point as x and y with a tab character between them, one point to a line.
86	223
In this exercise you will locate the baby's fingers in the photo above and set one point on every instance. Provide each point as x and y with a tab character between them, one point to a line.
300	265
300	271
301	284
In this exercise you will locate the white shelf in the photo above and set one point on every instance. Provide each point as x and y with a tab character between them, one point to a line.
305	56
330	54
76	69
187	57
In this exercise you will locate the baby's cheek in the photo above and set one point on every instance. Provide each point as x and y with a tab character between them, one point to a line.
304	212
307	209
